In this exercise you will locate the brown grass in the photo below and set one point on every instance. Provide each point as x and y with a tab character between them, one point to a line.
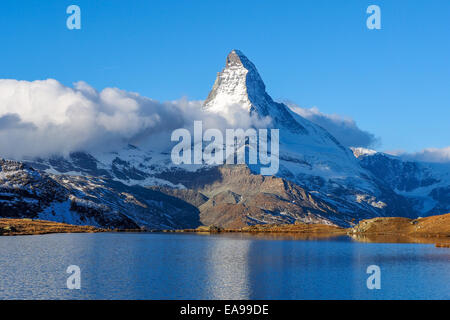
14	227
273	228
436	226
434	229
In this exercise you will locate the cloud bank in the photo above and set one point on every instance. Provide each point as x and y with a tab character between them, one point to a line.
426	155
45	117
42	118
345	130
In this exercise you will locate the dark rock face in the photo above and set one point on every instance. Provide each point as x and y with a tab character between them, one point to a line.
29	193
24	190
407	177
83	163
233	197
400	175
190	196
123	170
97	213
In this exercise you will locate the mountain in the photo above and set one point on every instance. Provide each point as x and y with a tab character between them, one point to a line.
239	84
318	181
426	186
309	156
87	200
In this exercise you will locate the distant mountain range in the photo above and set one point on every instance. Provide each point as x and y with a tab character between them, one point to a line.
319	180
426	186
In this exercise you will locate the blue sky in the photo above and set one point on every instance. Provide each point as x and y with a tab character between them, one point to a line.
393	82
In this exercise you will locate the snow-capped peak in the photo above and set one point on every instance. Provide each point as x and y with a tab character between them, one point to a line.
237	84
358	152
240	87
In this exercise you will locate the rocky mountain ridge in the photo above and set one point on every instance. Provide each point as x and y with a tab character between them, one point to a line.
319	180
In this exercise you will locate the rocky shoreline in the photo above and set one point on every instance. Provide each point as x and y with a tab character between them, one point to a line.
434	229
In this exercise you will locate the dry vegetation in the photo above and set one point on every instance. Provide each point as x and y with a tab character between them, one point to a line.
437	226
275	228
15	227
434	229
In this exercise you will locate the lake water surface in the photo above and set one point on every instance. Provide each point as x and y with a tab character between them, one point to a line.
229	266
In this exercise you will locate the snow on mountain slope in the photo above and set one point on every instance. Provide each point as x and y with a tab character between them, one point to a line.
309	155
87	200
425	185
332	185
305	148
357	152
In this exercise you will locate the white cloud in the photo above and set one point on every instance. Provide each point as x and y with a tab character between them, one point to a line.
41	118
345	130
45	117
426	155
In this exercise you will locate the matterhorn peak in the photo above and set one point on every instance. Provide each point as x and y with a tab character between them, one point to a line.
239	83
237	60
